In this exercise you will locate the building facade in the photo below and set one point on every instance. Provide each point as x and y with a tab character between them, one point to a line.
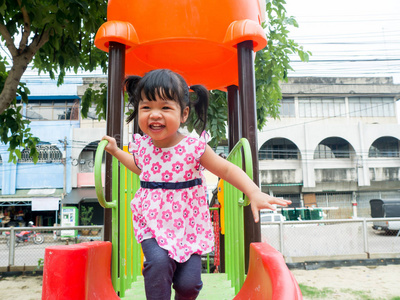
336	144
33	192
37	192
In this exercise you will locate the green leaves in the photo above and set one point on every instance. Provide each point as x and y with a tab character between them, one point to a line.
16	133
14	129
72	26
273	62
97	97
60	38
217	117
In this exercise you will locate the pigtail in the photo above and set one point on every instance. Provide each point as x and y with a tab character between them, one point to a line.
200	104
130	85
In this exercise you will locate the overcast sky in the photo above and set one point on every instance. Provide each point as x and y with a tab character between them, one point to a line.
347	37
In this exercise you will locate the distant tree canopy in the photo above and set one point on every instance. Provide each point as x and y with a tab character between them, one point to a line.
56	37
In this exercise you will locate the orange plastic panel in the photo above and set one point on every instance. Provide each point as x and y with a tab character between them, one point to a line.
196	38
268	278
79	272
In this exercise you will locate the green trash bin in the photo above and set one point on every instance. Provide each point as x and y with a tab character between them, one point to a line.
294	214
316	214
285	214
307	214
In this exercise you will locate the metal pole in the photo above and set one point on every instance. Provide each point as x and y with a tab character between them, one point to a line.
65	166
281	245
249	130
115	110
11	254
365	236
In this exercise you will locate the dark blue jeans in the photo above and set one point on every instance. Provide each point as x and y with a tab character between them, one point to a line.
160	271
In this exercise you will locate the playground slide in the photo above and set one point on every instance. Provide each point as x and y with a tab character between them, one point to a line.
78	272
268	276
82	272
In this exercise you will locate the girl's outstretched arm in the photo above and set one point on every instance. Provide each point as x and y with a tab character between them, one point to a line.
239	179
124	157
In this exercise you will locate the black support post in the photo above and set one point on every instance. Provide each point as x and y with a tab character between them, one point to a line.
115	110
249	130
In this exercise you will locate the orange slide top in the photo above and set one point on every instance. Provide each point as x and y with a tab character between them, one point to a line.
196	38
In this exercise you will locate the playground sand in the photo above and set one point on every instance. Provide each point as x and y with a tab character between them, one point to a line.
381	282
358	282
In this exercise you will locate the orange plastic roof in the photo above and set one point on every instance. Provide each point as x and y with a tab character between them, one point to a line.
196	38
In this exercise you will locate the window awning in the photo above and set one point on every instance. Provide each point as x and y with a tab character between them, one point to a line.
39	199
80	194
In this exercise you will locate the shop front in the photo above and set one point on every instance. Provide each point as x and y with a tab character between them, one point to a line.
41	206
83	198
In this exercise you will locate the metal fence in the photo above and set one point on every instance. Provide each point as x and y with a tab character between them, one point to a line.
298	241
22	251
331	239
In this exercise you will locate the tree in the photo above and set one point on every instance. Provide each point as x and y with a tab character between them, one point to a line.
54	37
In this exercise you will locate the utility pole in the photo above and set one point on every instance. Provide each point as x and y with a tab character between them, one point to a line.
64	162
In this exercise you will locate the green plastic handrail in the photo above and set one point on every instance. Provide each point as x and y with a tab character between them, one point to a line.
244	144
97	176
234	218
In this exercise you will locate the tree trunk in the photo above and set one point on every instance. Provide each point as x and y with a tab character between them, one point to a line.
9	91
21	59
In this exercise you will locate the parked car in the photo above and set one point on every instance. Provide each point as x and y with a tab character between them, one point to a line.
271	217
385	209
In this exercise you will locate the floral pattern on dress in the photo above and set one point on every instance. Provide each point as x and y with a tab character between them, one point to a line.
179	219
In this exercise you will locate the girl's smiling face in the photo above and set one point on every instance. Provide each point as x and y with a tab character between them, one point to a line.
160	119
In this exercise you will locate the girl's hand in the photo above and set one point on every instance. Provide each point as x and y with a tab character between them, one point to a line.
124	157
260	200
235	176
111	147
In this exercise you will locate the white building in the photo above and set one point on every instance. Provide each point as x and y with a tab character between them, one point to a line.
336	144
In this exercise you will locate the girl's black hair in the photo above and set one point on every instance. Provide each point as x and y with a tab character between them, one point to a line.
166	85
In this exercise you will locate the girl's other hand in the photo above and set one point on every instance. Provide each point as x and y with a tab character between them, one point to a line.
111	147
260	200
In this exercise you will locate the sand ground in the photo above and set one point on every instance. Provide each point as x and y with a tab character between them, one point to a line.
374	283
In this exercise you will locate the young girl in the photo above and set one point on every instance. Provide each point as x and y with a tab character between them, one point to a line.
170	213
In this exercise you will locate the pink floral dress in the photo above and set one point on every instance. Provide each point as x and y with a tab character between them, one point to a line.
171	204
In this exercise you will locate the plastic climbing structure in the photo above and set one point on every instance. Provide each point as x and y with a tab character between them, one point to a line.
210	43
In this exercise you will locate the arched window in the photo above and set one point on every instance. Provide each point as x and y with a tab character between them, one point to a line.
86	158
333	147
384	147
279	148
